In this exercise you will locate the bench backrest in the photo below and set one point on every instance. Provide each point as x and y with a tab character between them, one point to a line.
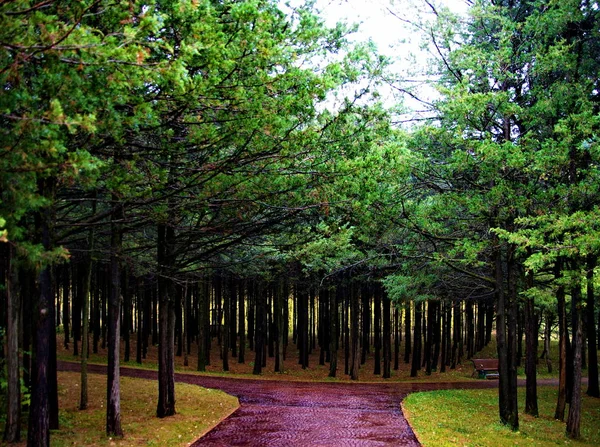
485	363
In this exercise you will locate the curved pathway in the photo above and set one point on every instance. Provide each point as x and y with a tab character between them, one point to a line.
279	413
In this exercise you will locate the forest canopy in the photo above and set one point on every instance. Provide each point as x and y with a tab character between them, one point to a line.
185	165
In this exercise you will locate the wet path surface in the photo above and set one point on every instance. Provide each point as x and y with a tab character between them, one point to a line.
278	413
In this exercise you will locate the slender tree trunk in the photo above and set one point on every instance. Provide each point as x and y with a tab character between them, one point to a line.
397	335
323	324
455	334
85	345
203	326
387	348
561	401
38	433
242	323
512	341
12	428
76	311
126	329
366	322
251	313
166	345
233	317
259	338
531	345
226	290
574	418
436	335
377	331
470	329
593	389
65	305
407	332
416	355
333	330
501	338
113	387
355	333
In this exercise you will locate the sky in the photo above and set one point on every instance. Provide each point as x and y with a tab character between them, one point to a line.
385	23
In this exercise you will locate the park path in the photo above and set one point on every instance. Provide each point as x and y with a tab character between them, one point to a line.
299	414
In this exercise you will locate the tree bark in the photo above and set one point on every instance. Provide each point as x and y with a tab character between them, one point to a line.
113	387
574	418
501	339
531	344
259	338
166	332
377	331
387	347
416	355
242	323
593	389
333	334
561	402
65	305
355	333
12	428
407	332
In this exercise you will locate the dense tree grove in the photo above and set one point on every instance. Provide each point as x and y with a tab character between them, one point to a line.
226	174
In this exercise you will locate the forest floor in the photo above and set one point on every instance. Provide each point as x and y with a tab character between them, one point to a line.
292	369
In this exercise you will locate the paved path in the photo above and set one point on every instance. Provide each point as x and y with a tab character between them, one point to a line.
290	414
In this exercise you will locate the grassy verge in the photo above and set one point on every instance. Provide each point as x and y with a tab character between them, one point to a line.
198	410
470	418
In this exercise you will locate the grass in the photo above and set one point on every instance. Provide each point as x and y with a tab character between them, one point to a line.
470	418
198	410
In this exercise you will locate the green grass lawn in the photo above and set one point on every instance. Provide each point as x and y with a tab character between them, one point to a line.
470	418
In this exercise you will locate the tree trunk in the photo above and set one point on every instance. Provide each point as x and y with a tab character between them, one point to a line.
113	387
531	344
407	332
226	291
126	327
259	338
512	341
377	331
166	332
65	305
85	345
366	322
436	334
203	326
397	335
593	389
333	331
574	418
355	333
279	328
561	401
242	323
416	355
387	348
38	434
12	428
501	339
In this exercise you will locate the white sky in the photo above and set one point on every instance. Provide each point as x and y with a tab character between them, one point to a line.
391	33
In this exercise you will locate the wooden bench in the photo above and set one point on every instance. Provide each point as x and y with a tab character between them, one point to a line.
486	368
